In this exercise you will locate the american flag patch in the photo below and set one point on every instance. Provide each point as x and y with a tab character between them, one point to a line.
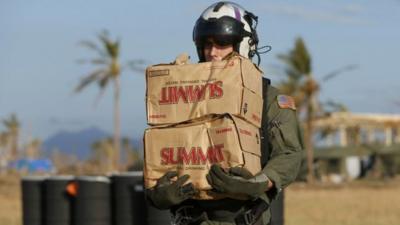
286	102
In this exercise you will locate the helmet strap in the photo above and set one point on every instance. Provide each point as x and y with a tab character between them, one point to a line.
236	47
253	41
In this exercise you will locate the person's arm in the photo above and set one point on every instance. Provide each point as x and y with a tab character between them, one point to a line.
281	132
285	144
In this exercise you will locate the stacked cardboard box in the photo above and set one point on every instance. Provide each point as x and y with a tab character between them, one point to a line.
202	114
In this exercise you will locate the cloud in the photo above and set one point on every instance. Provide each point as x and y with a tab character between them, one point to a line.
353	9
345	14
62	121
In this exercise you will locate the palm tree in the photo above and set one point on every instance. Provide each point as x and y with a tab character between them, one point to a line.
108	69
3	139
32	148
132	156
102	151
12	133
3	146
302	85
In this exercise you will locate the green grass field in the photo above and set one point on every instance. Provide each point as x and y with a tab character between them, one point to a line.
357	203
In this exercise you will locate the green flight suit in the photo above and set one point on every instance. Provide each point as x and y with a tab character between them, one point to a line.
282	148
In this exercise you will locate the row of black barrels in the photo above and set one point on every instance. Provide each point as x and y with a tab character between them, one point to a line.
88	200
95	200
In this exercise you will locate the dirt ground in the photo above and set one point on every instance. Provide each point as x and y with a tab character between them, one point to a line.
10	201
356	203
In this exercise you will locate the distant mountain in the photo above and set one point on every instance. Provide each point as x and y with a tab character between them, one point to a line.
79	142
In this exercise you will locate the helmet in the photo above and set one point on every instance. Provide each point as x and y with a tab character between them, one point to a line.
227	23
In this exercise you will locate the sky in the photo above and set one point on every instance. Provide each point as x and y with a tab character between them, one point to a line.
39	50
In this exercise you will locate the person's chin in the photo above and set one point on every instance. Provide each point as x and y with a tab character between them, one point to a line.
216	59
213	59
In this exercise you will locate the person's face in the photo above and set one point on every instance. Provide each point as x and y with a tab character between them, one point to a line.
215	52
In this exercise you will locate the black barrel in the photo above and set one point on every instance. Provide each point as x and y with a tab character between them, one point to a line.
128	199
129	204
156	216
56	202
277	210
31	188
92	204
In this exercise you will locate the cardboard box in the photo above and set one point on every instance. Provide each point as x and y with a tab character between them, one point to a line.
177	93
191	148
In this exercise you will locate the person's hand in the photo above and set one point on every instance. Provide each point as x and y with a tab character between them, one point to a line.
168	193
237	181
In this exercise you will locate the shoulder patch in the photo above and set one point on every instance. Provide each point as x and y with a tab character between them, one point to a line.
286	102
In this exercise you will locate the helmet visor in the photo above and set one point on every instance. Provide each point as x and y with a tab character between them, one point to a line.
223	31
